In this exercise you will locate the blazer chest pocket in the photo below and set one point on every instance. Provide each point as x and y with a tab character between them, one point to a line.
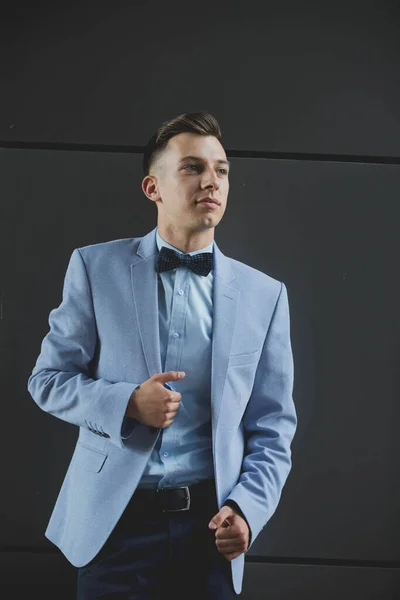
248	358
89	458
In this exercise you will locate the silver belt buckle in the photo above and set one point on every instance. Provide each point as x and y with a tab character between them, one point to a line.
183	487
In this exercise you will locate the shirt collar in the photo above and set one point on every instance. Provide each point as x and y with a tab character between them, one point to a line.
162	242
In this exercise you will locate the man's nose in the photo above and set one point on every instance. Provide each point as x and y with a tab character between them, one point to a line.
211	179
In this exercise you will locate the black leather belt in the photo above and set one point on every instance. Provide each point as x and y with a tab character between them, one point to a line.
196	498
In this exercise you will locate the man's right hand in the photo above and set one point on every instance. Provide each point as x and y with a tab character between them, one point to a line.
153	404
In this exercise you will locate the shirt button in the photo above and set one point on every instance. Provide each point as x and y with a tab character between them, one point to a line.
176	334
165	454
181	292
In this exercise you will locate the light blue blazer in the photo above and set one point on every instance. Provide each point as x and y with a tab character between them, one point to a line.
104	341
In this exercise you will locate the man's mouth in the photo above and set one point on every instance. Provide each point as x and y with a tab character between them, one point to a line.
210	201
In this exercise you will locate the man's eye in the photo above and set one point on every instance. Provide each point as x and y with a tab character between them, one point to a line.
222	170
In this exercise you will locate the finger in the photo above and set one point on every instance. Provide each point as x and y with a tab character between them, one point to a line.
172	411
226	533
228	545
170	415
232	555
230	550
224	525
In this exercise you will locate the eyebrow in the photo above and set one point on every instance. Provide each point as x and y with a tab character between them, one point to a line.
192	157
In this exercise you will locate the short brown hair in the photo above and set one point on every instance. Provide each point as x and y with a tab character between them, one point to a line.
202	123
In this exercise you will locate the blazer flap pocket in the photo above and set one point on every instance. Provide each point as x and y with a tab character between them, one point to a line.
89	458
243	359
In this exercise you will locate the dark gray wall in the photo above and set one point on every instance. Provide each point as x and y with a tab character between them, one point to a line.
308	99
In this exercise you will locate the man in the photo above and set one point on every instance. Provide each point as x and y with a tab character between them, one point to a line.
175	363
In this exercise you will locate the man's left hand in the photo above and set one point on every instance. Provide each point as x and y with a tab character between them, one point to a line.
232	532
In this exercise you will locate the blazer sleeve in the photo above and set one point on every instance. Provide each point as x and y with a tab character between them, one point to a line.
269	423
60	382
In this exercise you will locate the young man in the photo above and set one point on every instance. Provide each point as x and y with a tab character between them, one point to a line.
175	363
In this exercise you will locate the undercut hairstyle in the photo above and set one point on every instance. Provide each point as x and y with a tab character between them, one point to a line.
202	123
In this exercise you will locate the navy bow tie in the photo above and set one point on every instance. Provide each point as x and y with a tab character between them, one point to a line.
200	263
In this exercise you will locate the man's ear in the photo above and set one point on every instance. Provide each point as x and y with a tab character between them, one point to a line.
150	187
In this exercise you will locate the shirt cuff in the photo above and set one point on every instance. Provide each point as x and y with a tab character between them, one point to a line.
128	425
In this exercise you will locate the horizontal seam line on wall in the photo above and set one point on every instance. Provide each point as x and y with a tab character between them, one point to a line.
323	562
126	149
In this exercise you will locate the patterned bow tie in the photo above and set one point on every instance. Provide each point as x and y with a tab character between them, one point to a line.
200	263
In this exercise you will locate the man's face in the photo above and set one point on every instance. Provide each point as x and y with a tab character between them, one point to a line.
193	167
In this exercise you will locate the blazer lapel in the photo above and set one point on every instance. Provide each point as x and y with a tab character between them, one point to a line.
225	301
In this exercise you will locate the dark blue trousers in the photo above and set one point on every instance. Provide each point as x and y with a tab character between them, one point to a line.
156	557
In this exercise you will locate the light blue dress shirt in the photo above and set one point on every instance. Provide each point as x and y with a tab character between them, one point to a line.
183	452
